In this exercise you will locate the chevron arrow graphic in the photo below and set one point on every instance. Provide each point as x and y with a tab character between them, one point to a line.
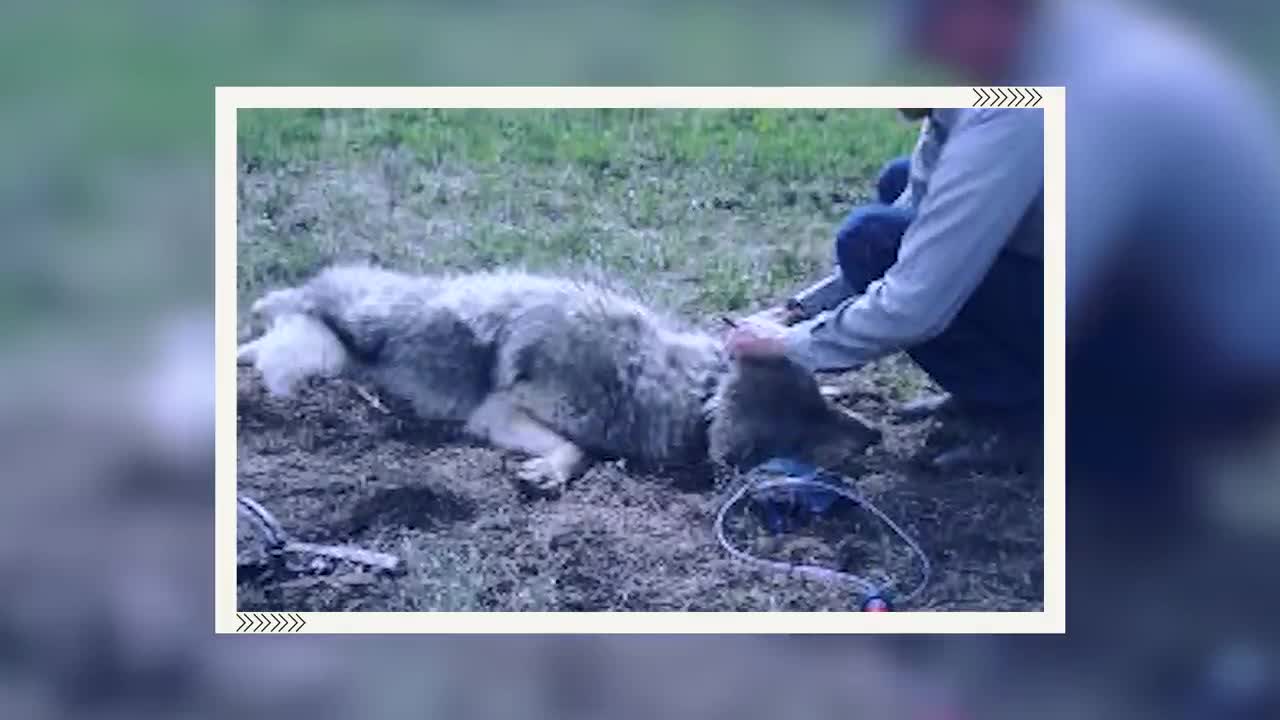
269	622
1007	97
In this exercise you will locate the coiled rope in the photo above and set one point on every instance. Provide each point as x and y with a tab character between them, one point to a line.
866	586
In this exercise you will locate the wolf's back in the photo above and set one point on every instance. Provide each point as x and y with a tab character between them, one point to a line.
604	370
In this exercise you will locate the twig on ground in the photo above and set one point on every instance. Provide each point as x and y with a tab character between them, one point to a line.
370	398
838	392
360	556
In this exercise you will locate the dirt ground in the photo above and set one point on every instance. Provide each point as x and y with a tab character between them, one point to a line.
698	213
335	469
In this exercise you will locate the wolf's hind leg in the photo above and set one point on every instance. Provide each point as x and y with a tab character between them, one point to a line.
556	461
295	348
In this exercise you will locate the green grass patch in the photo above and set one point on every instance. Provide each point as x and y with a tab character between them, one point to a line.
706	210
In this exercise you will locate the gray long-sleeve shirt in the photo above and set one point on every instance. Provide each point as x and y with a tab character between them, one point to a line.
1172	180
975	174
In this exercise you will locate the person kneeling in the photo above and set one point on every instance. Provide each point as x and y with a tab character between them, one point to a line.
946	266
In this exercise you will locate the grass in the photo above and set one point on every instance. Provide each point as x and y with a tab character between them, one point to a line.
700	212
713	210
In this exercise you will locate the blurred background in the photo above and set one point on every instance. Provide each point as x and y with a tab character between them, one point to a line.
106	397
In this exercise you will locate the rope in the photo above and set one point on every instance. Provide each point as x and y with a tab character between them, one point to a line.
867	587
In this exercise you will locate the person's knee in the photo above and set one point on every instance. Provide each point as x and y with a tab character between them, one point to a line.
893	179
867	243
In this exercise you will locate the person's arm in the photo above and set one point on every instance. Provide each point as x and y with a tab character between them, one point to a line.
987	176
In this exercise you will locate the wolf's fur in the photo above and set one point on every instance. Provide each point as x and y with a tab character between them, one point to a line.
560	370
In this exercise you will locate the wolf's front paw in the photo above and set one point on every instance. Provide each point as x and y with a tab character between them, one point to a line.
544	475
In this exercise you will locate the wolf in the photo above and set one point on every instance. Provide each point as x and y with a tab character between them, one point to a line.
562	371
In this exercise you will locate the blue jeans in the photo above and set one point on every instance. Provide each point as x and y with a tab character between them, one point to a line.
991	356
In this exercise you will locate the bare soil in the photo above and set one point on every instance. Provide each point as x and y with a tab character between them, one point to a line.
335	469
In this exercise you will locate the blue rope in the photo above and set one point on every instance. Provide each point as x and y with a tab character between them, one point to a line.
788	473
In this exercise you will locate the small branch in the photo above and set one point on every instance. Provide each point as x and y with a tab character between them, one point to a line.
836	392
383	561
370	398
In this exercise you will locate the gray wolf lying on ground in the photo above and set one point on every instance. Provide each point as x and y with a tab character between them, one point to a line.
560	370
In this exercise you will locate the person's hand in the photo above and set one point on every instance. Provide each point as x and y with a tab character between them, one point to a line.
757	338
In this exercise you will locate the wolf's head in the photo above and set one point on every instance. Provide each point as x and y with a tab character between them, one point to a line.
772	407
